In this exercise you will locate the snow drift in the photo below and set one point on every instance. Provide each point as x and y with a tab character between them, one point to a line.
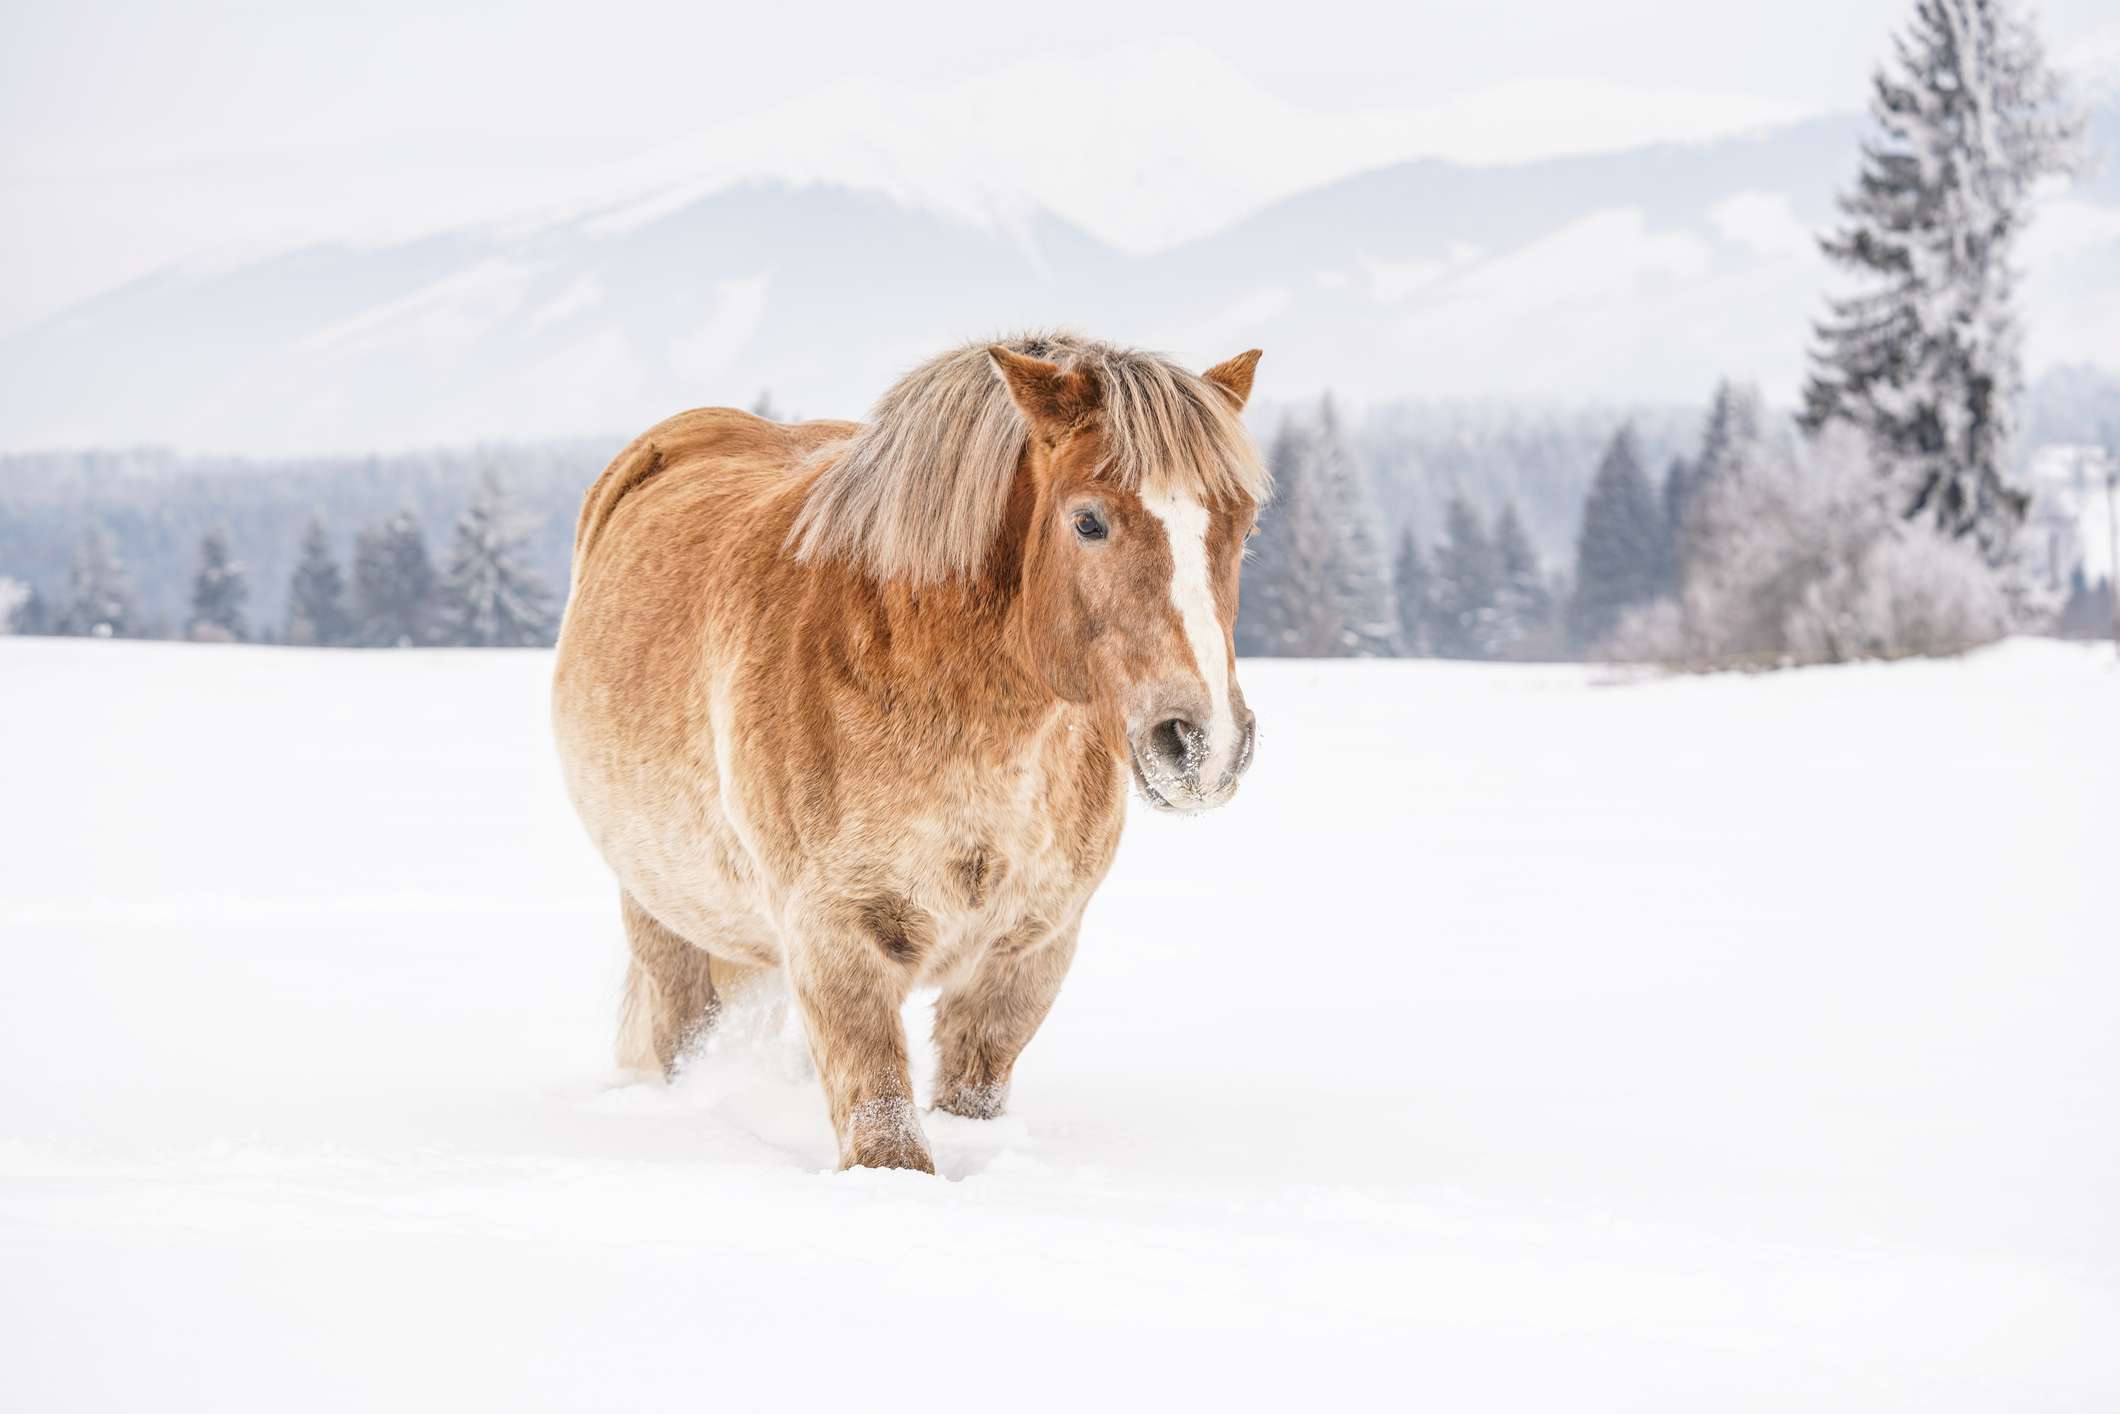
1712	1044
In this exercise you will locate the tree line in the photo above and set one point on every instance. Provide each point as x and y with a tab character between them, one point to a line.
1319	583
484	594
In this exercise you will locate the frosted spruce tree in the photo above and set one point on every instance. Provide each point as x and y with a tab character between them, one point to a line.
1284	614
1359	576
1733	437
1736	426
1465	601
218	591
393	585
1924	361
491	598
32	615
1523	604
1411	585
1619	554
99	601
1675	496
316	596
1317	585
14	596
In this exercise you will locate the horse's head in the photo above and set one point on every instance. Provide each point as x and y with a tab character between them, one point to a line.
1129	586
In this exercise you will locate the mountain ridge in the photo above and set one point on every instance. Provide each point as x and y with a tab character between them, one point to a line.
1623	276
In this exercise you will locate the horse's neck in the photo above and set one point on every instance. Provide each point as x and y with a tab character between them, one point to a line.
957	650
961	642
955	655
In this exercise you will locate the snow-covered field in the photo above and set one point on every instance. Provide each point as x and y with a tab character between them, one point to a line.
1703	1045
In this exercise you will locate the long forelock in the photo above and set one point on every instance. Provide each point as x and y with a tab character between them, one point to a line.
920	492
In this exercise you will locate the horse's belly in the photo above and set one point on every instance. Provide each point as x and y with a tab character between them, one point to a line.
697	883
664	836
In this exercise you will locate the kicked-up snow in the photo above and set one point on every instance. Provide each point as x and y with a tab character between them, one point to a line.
1519	1038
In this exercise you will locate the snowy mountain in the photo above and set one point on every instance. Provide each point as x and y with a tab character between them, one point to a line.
818	249
1160	143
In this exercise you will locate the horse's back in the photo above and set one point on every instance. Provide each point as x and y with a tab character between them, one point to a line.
715	450
685	522
689	519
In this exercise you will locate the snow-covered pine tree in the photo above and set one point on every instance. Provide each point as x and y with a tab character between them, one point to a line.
1736	425
1523	604
1360	575
13	595
1926	362
316	595
491	598
99	595
393	584
1618	555
1316	585
218	591
1733	437
1411	585
1675	494
1465	603
33	615
1284	614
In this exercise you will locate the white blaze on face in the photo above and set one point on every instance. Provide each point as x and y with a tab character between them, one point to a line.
1184	521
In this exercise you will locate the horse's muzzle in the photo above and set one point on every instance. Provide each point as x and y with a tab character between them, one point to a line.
1176	768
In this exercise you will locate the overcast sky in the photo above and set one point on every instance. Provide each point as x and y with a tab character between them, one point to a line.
133	133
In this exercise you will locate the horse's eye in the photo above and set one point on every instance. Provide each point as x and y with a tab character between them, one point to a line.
1252	534
1089	525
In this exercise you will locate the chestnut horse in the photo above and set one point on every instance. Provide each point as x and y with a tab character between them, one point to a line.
857	702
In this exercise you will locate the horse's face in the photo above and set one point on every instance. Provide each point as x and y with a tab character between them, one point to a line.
1130	599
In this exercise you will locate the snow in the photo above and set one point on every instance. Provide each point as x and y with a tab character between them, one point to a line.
1520	1038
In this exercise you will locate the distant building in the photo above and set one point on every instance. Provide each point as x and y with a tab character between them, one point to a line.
2066	528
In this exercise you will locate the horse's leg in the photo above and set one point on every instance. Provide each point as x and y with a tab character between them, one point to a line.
670	996
851	969
983	1023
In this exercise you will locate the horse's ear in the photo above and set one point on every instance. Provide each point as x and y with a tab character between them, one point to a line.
1233	375
1047	394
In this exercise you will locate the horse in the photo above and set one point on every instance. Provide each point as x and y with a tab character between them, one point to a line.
857	703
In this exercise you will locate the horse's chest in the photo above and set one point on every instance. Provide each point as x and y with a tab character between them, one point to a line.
1000	864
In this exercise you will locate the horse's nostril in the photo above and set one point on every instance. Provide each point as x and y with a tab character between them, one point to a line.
1179	745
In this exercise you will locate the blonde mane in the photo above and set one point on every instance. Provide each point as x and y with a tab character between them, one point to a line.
920	491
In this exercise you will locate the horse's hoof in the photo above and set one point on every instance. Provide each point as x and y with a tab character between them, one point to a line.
885	1134
972	1101
915	1159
